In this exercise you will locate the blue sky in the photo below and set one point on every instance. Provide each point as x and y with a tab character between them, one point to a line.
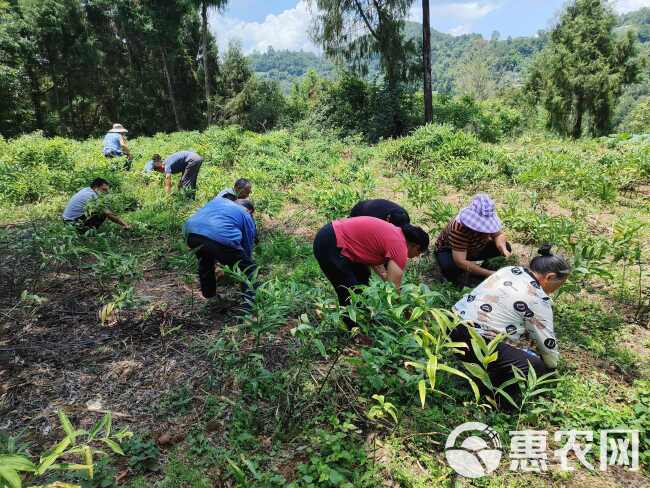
283	24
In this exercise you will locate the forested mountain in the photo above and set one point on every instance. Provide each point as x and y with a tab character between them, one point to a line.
285	66
505	58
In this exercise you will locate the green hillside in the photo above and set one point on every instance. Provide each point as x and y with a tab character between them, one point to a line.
282	397
507	57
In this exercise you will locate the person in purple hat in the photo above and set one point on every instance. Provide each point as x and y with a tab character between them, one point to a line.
473	235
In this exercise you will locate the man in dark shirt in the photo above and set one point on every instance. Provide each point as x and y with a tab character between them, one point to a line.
381	209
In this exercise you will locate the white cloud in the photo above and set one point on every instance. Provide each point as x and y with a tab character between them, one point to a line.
624	6
286	30
460	30
462	12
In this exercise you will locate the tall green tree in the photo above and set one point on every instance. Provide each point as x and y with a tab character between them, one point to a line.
204	6
426	62
581	73
357	30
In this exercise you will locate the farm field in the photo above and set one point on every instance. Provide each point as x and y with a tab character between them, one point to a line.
113	321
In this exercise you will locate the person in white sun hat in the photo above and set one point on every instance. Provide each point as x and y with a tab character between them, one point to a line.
473	235
115	144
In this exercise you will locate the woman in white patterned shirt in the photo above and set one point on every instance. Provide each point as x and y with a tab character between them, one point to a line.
515	301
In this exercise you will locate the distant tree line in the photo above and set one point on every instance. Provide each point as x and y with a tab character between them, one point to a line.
73	67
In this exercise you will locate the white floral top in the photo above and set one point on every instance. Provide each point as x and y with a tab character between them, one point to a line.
512	302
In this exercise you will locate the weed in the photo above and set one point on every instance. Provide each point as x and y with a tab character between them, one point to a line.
142	454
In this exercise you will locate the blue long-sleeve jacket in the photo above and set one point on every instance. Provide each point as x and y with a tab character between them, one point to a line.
225	222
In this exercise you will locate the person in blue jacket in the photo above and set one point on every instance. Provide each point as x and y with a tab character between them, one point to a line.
222	232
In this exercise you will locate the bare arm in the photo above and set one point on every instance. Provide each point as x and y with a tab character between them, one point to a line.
394	274
168	183
125	146
500	243
460	258
114	218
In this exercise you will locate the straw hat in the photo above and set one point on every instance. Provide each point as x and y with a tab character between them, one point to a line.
119	128
480	215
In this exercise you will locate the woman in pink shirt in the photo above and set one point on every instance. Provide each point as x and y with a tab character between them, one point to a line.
346	249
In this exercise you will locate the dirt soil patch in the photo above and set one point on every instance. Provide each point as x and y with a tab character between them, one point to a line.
55	353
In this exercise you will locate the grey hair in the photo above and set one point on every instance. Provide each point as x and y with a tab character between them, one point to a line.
548	262
242	183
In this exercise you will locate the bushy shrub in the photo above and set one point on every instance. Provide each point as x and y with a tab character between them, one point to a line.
33	166
431	144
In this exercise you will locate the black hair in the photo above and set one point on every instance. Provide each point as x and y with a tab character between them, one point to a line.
416	235
229	196
547	262
156	157
246	203
399	217
97	182
242	183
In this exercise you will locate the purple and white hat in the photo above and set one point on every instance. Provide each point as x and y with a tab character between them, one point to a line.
480	215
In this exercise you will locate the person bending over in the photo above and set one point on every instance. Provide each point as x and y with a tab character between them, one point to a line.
381	209
115	144
515	301
241	189
346	249
473	235
188	163
222	232
77	210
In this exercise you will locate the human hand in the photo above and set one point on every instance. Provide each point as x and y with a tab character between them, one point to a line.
503	249
380	269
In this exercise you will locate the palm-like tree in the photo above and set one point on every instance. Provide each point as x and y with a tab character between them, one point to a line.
205	5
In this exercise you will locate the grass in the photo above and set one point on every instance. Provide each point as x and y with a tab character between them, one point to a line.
282	399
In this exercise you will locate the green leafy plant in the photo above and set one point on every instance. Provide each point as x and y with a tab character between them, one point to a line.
77	442
382	409
436	343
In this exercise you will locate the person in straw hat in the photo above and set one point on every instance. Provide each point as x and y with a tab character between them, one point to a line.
115	144
473	235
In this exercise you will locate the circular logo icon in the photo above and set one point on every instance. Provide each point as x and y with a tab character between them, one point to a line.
486	307
470	298
507	283
534	284
511	329
529	313
550	343
516	271
520	306
478	455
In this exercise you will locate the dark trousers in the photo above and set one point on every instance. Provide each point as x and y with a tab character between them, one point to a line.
191	173
84	223
459	277
339	270
501	369
209	252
